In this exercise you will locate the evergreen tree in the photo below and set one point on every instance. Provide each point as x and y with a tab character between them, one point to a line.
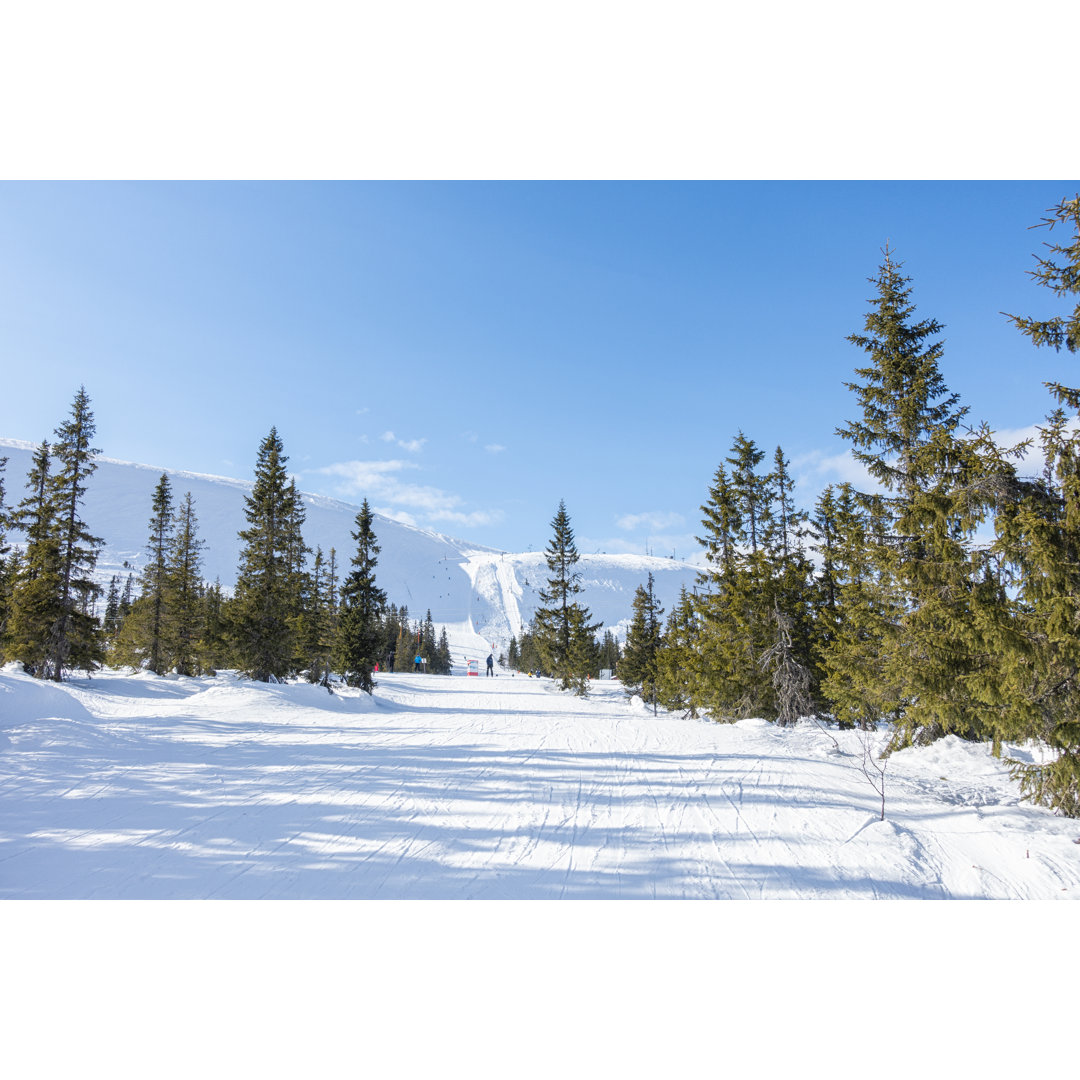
908	440
127	597
858	613
362	607
903	396
736	601
405	649
564	633
443	664
298	592
788	659
391	631
215	648
74	640
184	592
153	584
36	586
752	634
530	658
789	520
1038	539
111	623
638	667
678	658
609	656
6	569
266	604
139	638
427	640
1063	279
319	618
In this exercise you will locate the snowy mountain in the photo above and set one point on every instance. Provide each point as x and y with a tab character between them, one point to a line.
480	594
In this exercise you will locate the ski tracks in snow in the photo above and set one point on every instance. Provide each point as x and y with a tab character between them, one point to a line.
460	788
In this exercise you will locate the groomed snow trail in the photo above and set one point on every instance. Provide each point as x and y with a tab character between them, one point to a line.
476	788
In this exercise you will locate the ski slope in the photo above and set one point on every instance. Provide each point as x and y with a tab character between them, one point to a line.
139	787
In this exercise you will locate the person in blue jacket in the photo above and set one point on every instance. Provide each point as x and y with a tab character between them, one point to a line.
490	664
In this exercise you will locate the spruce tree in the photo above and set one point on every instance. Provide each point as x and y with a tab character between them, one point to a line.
908	439
788	658
5	566
35	597
563	630
610	655
127	597
736	598
154	573
859	611
638	666
404	649
1038	539
215	644
111	623
391	630
1063	279
443	664
362	607
678	658
427	640
74	640
183	589
140	639
318	618
530	658
266	602
903	396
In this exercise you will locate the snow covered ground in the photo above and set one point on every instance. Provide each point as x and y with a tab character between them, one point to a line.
138	787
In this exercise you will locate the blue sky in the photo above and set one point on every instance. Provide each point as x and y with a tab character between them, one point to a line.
467	354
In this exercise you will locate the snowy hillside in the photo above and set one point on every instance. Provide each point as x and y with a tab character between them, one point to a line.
443	787
482	596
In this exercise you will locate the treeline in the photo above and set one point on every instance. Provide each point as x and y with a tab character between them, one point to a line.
293	613
946	601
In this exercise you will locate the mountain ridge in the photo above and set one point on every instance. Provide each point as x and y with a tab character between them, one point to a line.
484	596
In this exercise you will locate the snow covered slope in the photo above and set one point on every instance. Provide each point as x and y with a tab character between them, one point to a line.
481	595
443	787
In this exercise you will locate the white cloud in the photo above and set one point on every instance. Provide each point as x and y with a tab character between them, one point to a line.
396	515
414	446
382	481
476	517
364	477
653	519
494	448
1033	462
816	470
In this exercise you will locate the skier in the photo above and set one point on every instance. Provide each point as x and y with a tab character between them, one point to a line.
490	664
